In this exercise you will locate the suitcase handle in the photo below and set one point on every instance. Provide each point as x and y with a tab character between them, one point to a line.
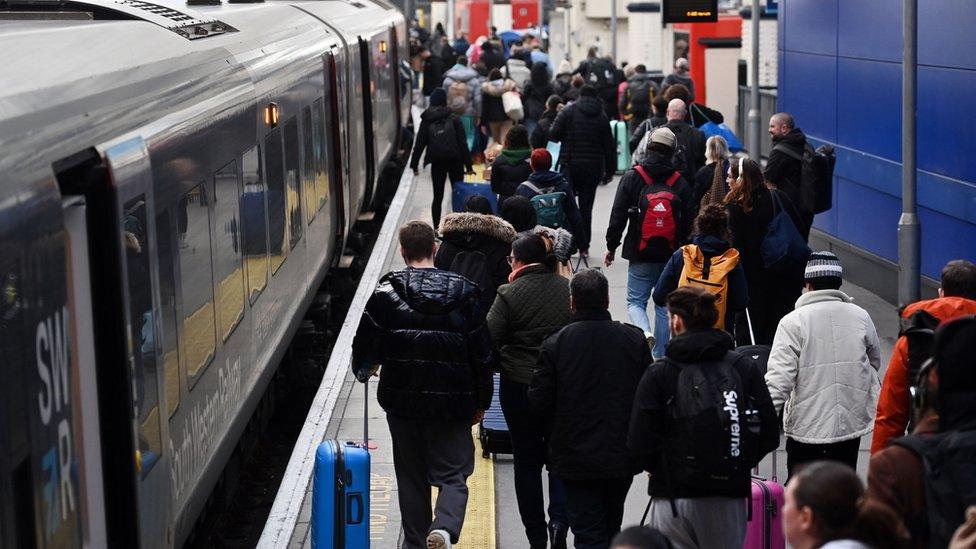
354	508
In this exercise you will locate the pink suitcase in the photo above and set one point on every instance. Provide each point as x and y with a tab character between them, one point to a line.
765	527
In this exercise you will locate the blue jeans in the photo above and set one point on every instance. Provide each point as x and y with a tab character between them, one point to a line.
641	278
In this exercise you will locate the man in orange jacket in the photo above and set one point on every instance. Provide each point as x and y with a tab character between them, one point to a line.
957	297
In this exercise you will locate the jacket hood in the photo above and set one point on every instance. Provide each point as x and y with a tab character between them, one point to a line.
540	74
821	296
590	106
461	73
683	79
638	77
435	113
699	346
464	223
711	245
795	137
430	291
494	87
657	166
562	240
547	178
515	156
942	308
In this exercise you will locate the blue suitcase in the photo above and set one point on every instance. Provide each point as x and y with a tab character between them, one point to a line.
464	189
493	431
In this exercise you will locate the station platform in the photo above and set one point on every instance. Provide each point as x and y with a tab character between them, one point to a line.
492	518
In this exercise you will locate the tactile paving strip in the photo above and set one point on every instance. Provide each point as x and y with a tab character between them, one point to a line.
479	518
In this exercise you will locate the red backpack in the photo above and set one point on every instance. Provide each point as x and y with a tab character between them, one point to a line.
656	207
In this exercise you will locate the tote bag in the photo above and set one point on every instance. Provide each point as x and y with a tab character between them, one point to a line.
783	248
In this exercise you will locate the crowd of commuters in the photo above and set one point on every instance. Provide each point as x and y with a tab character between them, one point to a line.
719	244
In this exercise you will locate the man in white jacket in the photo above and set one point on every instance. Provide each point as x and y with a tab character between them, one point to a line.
823	368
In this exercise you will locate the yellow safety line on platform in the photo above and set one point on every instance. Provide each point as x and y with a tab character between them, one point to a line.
479	518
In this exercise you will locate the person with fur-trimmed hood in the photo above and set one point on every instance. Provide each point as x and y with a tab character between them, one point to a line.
473	232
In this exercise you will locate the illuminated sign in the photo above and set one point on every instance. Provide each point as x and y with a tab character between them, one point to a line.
690	11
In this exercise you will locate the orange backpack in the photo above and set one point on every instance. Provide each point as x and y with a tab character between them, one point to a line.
710	273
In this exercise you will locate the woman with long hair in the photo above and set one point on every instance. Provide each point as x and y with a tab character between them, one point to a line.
826	507
751	207
492	108
511	167
535	94
710	186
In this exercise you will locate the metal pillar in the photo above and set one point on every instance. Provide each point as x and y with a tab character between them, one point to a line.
613	30
449	28
542	18
755	124
909	228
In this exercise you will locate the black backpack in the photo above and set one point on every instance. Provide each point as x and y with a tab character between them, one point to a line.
639	95
949	476
442	140
600	73
816	176
714	425
473	265
682	159
919	332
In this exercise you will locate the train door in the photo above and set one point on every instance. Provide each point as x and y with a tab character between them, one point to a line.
121	234
365	68
341	118
331	123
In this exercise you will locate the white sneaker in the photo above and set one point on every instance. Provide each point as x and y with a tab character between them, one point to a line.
439	539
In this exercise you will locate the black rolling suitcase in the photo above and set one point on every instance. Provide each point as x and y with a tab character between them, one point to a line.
493	430
759	353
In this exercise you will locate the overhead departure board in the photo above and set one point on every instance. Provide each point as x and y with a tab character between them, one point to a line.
690	11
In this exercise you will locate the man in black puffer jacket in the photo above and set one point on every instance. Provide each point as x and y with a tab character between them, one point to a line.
588	153
426	328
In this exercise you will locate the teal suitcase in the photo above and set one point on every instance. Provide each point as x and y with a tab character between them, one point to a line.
622	138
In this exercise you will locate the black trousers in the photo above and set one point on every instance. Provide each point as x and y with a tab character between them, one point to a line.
438	172
596	509
800	453
585	180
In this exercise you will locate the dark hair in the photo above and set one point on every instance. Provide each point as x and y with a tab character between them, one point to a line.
462	60
553	101
660	148
517	137
539	74
417	240
678	91
639	68
590	289
959	279
835	495
478	204
495	74
660	104
578	81
826	283
531	248
587	91
520	212
640	537
713	220
695	306
745	196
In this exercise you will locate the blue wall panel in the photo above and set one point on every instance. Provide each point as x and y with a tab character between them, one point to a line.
869	107
947	121
945	238
945	32
869	29
815	25
867	218
809	92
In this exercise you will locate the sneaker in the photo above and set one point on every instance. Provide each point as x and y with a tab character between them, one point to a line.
439	539
650	340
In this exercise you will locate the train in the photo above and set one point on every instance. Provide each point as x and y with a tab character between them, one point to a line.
176	179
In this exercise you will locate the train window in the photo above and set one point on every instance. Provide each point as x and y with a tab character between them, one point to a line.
165	257
277	228
228	260
143	332
255	222
308	148
196	281
321	153
293	177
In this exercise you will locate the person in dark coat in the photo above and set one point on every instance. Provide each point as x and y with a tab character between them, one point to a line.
533	305
445	161
644	268
587	377
688	136
698	114
539	138
433	72
473	232
751	208
696	510
491	57
543	179
425	327
782	169
658	118
713	238
535	94
511	167
588	152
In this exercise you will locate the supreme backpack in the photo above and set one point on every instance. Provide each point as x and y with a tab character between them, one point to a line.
710	273
548	204
816	176
458	97
442	141
473	265
657	210
713	424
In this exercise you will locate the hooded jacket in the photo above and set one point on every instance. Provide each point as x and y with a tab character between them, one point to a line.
526	311
894	407
517	70
694	140
488	234
469	77
492	108
737	298
783	170
583	130
558	183
625	214
509	170
650	423
423	138
536	91
540	135
587	377
562	83
427	330
823	369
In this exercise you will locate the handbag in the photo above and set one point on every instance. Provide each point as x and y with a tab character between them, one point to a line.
783	248
710	128
512	103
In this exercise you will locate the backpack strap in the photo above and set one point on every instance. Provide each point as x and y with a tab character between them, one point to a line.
535	189
785	149
640	170
673	179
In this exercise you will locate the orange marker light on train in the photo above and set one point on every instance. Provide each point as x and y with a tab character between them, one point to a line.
271	114
383	46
